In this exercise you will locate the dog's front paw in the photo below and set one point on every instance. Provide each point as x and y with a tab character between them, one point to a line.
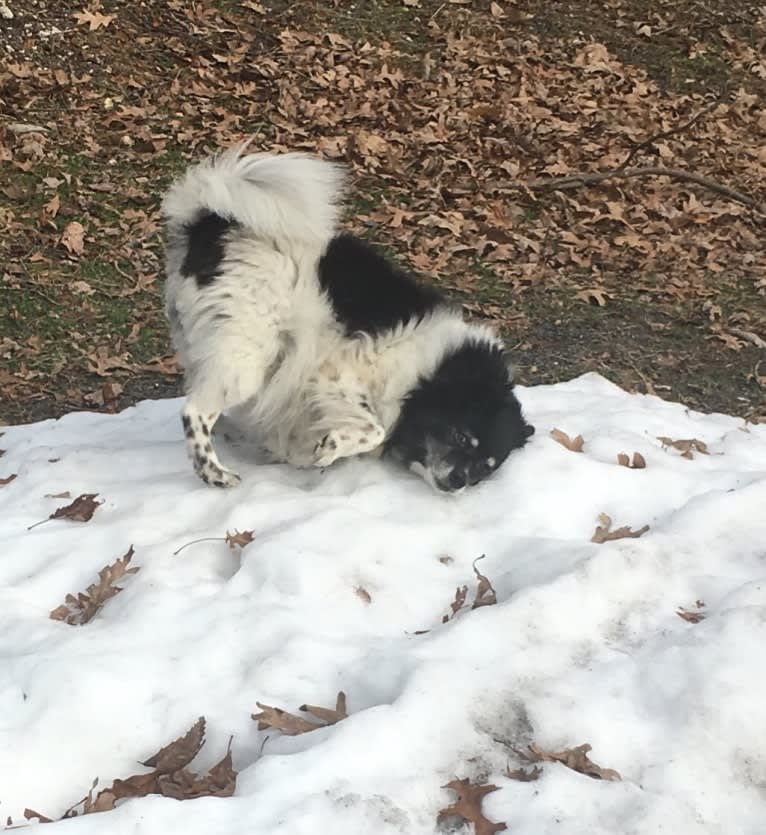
346	443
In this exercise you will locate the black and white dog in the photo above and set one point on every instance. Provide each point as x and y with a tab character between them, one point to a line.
315	339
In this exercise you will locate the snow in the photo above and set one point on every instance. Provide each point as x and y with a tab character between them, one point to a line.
584	644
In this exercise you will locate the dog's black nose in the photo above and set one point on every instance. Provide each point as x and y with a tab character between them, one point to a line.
456	480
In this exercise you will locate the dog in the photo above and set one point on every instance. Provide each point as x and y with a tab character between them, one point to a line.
316	339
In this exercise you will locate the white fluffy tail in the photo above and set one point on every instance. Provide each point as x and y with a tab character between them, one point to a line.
285	197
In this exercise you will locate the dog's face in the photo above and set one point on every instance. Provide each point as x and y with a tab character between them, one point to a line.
456	429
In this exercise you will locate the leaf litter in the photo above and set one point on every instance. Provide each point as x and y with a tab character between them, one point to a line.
79	610
170	778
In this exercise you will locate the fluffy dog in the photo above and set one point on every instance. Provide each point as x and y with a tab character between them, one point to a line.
316	339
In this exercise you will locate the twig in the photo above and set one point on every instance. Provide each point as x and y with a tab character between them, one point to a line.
640	146
195	541
583	179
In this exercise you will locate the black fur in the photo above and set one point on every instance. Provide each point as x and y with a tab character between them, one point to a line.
205	247
469	397
368	293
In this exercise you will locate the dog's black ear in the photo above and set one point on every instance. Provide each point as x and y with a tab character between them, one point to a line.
529	430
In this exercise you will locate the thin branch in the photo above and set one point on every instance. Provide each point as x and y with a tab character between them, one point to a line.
579	180
640	146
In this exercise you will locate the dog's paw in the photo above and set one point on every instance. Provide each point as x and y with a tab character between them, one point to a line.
214	475
347	442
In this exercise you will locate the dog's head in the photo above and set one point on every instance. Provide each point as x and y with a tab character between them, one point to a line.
458	426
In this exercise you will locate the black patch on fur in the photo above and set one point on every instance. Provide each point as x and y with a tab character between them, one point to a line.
469	395
186	422
205	247
367	292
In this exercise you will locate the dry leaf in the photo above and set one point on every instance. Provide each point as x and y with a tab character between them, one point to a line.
65	495
77	611
180	752
574	758
525	776
594	295
7	479
638	462
80	510
485	594
572	444
362	593
468	806
95	20
496	10
690	616
292	725
687	446
73	238
461	592
604	533
239	538
169	778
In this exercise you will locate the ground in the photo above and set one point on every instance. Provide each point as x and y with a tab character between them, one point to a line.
452	117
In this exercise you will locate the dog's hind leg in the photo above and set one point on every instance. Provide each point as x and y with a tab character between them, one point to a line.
198	429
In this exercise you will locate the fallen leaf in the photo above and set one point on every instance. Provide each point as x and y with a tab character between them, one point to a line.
65	495
572	444
485	594
239	539
73	238
604	533
77	611
8	479
638	462
180	752
362	593
496	10
525	776
575	758
594	295
461	592
170	778
94	20
80	510
291	725
691	616
687	446
468	806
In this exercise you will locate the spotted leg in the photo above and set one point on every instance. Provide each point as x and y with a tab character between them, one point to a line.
198	429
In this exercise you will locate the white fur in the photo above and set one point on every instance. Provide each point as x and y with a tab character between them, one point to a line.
262	340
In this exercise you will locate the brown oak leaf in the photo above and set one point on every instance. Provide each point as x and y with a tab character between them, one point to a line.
468	806
180	752
524	776
461	592
239	538
575	758
638	462
80	510
77	611
686	446
485	594
7	479
604	532
292	725
572	444
73	238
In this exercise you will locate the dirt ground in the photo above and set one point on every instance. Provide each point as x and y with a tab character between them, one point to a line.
455	119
